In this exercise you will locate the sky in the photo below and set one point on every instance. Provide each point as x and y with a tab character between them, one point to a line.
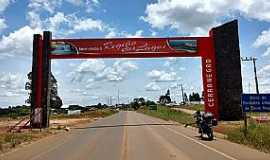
91	81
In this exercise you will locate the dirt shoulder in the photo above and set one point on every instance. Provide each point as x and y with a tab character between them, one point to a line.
58	124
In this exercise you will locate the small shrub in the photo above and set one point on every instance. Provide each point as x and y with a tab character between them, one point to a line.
258	136
17	138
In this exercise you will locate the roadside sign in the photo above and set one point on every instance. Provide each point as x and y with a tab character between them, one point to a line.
256	102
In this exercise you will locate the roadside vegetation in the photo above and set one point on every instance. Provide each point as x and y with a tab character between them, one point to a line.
9	140
88	114
12	140
258	135
168	114
195	107
14	112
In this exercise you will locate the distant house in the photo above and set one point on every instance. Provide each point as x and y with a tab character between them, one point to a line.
73	109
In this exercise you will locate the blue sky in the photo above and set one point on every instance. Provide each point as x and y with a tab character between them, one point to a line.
90	81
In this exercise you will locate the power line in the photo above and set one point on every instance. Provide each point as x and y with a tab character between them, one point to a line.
253	59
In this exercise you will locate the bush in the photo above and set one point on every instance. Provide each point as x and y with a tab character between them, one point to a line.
16	138
258	136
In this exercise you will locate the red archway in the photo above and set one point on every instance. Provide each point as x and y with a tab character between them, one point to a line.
45	48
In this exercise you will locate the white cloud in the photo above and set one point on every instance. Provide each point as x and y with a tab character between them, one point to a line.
47	5
3	24
12	84
4	4
198	16
88	24
263	40
112	32
152	86
182	68
118	71
18	43
137	34
162	76
92	66
51	5
96	70
34	19
89	5
76	2
256	9
265	71
65	24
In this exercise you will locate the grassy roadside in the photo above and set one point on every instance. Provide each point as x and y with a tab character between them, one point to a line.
258	136
88	114
168	114
194	107
9	141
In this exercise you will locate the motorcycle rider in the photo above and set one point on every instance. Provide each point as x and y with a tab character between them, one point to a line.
199	118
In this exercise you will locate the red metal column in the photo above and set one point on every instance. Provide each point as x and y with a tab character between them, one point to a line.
210	79
36	94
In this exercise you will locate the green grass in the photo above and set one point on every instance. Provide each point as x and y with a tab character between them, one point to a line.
258	136
168	114
88	114
194	107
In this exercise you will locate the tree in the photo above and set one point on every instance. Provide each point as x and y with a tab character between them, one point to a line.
148	103
55	100
194	97
185	98
137	103
141	101
202	97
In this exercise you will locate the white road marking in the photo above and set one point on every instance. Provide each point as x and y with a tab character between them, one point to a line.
210	148
204	145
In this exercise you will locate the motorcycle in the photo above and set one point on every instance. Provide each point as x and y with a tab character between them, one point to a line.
205	122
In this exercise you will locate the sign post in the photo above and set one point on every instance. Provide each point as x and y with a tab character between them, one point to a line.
254	103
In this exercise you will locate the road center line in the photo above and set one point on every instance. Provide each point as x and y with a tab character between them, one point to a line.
124	140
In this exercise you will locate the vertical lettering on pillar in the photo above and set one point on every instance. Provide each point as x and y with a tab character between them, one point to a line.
209	81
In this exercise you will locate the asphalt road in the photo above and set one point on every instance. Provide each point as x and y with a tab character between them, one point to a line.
133	136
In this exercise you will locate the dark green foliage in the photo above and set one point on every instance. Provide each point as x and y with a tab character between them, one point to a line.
137	103
148	103
55	100
194	97
15	112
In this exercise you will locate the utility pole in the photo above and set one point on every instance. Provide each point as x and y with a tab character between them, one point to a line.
253	59
182	91
118	96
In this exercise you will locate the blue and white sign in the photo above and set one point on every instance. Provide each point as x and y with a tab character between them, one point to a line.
256	102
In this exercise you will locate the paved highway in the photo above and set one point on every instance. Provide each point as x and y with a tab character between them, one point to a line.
133	136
